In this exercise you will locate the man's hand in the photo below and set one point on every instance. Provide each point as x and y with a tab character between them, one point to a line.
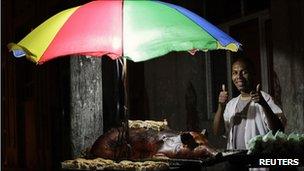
274	122
218	121
256	96
223	97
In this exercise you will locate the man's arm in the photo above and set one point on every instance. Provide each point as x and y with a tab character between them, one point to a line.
218	121
273	120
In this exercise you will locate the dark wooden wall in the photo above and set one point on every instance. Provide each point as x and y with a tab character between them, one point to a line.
34	112
288	59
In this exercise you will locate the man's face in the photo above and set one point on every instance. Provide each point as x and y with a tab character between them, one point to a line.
241	76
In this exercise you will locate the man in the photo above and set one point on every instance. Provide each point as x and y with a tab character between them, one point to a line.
252	113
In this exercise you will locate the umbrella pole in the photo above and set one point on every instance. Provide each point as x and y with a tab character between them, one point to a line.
126	115
123	138
117	93
125	84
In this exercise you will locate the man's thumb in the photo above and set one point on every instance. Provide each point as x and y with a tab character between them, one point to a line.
258	88
223	87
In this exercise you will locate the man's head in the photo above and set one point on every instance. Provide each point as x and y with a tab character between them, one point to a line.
242	74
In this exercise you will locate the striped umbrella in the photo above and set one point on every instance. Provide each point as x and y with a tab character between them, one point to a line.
135	30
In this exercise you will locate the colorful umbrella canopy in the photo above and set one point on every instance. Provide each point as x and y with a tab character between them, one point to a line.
136	30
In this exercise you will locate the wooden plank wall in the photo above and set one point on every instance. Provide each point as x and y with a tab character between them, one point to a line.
35	125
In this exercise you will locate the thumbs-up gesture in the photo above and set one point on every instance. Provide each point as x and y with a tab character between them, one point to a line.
223	97
256	95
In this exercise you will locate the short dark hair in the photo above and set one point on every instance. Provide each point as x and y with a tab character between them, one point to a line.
241	57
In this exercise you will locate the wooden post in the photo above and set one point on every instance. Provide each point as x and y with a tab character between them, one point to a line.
85	103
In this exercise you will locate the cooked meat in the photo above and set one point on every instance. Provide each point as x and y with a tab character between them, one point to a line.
146	143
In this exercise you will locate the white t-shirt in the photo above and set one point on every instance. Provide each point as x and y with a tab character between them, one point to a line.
256	122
